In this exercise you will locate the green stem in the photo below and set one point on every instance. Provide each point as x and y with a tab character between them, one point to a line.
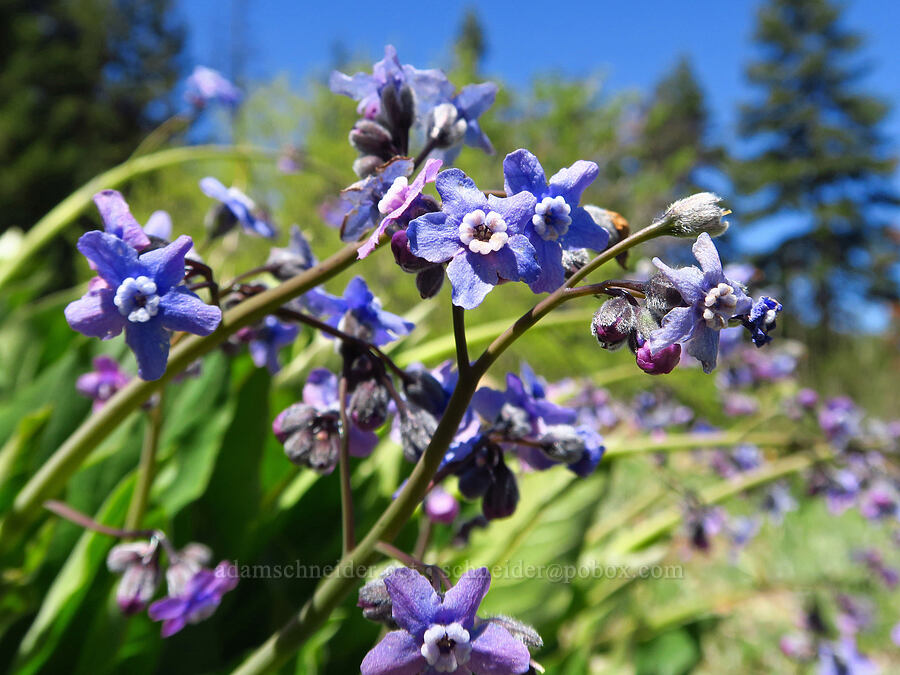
674	442
349	537
146	467
54	473
459	337
67	210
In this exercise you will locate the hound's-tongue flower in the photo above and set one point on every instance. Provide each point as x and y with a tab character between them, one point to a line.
142	295
481	238
443	635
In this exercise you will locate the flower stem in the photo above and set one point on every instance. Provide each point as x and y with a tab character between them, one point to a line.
349	537
146	467
459	336
65	511
48	227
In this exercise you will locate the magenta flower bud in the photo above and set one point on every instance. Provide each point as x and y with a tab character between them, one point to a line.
441	506
662	362
614	323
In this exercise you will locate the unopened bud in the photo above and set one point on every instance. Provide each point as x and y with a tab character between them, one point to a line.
440	506
398	109
139	564
561	443
371	138
406	259
376	602
310	438
696	214
423	390
521	631
614	323
662	297
366	165
368	406
416	429
574	260
446	128
429	281
502	495
662	362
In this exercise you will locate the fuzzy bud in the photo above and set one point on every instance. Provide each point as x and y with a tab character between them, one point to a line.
368	406
561	443
406	259
423	389
366	165
416	429
662	362
691	216
521	631
430	281
445	127
376	602
139	564
502	495
662	297
614	322
574	260
371	138
310	438
398	109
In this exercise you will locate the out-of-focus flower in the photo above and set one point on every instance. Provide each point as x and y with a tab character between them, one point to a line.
142	295
370	321
138	562
441	506
198	601
267	339
237	208
843	658
205	86
104	381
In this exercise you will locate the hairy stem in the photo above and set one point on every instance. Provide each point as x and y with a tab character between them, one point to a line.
146	467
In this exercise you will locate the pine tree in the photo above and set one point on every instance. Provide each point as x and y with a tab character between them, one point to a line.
820	159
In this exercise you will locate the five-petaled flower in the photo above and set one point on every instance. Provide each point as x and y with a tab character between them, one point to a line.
481	237
237	208
558	222
442	634
711	300
142	295
372	323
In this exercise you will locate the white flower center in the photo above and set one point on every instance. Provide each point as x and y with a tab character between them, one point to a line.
551	218
395	195
448	126
446	648
483	233
719	306
137	299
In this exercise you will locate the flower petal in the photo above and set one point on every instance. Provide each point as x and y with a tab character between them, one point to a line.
459	195
570	182
182	310
584	232
687	280
677	326
522	172
212	187
462	601
516	210
550	269
431	237
159	225
150	344
474	99
704	346
95	315
166	265
414	601
706	254
476	138
167	608
362	443
496	652
469	288
115	260
527	265
397	654
117	219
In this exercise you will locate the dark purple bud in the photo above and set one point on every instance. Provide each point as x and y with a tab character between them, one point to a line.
398	109
521	631
310	438
371	138
404	257
362	366
662	362
423	390
368	406
502	495
614	323
416	429
376	602
474	482
429	281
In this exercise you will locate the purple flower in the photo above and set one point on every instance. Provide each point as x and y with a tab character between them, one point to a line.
238	208
104	381
206	85
662	362
310	430
843	658
840	420
711	299
366	89
138	562
375	324
442	634
481	237
452	120
198	601
398	201
358	210
118	221
159	225
558	222
441	506
762	319
777	502
267	339
142	295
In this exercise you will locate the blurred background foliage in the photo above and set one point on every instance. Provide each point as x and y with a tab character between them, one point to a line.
80	93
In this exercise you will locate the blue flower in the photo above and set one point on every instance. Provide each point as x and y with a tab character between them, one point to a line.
198	601
142	295
711	301
443	634
481	237
267	339
380	326
450	120
360	201
365	88
206	85
239	207
762	319
118	221
558	222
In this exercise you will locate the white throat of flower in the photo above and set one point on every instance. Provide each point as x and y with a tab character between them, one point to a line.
483	233
551	218
395	195
719	306
137	299
446	648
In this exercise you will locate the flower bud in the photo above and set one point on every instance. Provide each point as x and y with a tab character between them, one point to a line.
371	138
417	427
662	297
190	560
310	438
139	564
366	165
429	281
513	422
561	443
423	390
662	362
502	495
574	260
445	127
691	216
405	258
368	405
376	602
398	109
615	224
614	322
521	631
